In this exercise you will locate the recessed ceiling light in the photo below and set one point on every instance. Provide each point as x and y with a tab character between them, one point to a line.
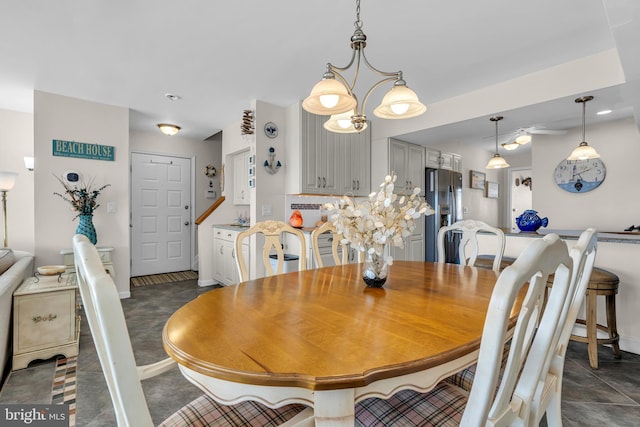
171	97
603	112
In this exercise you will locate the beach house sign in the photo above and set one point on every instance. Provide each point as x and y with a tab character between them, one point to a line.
83	150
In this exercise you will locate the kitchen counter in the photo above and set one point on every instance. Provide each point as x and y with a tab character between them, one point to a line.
603	236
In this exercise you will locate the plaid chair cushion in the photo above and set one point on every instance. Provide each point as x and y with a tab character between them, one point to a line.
442	406
464	378
204	411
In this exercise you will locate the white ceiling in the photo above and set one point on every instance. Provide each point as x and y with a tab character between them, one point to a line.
218	56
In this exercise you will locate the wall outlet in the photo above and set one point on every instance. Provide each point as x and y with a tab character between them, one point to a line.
465	210
266	210
111	207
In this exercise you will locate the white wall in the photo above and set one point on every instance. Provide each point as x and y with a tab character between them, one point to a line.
69	119
16	141
615	204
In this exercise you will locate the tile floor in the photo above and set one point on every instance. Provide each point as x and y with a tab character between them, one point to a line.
609	396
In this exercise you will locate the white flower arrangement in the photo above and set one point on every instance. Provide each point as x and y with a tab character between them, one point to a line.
384	218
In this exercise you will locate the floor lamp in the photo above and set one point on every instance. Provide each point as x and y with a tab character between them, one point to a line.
7	181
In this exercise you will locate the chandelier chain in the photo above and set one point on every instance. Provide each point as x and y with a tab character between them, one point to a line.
358	23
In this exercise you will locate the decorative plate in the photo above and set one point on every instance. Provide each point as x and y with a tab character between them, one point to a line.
271	130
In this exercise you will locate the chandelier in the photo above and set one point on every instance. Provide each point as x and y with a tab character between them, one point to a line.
497	161
335	96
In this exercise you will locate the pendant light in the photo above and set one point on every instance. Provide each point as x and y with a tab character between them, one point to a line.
497	161
583	151
334	95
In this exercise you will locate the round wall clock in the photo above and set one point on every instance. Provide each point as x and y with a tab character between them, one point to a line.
271	130
579	176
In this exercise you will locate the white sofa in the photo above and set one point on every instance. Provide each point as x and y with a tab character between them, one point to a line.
10	279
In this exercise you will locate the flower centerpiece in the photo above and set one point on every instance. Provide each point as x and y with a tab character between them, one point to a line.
83	199
371	225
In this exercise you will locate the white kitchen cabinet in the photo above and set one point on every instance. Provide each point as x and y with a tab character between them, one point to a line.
241	178
408	162
432	158
225	270
413	245
333	163
356	162
451	161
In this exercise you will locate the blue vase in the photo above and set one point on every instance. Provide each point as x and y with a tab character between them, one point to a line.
86	227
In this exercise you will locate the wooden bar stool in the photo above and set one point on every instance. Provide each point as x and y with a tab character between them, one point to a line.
605	283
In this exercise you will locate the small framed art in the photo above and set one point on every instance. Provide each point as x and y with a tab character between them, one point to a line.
477	179
492	190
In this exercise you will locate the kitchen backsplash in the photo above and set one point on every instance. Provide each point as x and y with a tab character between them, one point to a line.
311	208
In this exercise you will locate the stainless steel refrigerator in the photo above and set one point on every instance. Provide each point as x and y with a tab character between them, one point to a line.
443	191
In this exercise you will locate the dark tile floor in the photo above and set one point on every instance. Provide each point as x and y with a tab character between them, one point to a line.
609	396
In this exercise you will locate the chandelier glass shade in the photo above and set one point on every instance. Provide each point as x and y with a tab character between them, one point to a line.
334	94
497	161
341	123
583	151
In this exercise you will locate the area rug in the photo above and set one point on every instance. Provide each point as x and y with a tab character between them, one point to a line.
63	390
156	279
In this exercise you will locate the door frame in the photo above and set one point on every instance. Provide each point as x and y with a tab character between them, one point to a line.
509	200
192	197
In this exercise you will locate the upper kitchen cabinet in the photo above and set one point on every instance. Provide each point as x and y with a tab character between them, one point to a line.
438	160
333	163
408	162
241	178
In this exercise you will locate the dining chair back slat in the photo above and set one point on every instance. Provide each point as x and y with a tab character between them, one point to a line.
339	250
273	232
468	248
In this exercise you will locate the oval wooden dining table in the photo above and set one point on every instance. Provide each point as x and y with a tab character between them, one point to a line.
322	338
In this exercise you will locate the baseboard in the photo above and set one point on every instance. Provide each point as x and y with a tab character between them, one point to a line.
631	345
206	282
124	295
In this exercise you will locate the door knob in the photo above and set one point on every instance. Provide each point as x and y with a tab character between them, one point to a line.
186	223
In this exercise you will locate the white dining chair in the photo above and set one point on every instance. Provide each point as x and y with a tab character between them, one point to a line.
106	320
529	358
273	232
468	249
339	250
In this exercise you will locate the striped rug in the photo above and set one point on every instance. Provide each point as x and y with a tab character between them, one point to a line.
155	279
63	390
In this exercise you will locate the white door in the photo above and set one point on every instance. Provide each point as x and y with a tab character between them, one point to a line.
160	214
521	199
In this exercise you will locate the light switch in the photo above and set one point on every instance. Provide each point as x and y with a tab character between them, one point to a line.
266	210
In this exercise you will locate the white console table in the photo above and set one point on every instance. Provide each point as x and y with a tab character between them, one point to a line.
105	256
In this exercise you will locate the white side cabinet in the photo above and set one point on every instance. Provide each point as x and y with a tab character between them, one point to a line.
241	178
105	253
225	270
45	321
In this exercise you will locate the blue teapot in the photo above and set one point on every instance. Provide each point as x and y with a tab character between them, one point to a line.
529	221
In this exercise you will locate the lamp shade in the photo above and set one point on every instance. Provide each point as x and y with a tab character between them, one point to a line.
168	129
583	152
523	138
400	103
29	162
327	97
7	180
510	146
497	162
342	123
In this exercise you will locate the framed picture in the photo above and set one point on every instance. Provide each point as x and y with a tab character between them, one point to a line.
492	190
477	179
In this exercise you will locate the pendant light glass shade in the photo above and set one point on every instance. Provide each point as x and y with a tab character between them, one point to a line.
510	146
329	96
523	138
400	103
497	161
342	123
583	151
7	180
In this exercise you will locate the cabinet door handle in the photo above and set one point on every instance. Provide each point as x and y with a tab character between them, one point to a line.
357	184
324	182
319	183
221	250
353	184
233	253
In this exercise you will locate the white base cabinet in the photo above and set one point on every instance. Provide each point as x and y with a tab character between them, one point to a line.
225	270
45	321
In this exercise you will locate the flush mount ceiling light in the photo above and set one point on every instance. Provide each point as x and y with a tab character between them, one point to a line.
168	129
497	161
334	95
583	151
